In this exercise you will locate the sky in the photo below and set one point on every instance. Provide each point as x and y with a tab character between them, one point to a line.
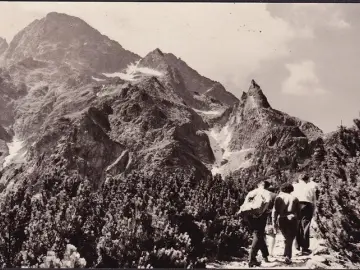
304	56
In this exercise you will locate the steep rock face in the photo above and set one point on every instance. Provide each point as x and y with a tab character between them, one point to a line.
3	45
63	38
158	129
9	93
77	143
187	82
218	92
4	135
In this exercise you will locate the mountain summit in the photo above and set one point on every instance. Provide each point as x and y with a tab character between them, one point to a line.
62	38
188	82
257	94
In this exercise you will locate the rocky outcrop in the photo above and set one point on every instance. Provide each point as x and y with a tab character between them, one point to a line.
218	92
4	135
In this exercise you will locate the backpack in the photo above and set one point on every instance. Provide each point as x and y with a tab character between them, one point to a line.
256	203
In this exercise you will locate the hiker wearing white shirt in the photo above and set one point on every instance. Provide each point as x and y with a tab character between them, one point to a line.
306	191
256	223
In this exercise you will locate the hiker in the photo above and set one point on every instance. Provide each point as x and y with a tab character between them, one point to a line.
256	209
307	192
285	216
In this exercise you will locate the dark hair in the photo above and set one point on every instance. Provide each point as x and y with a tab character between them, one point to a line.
266	184
287	188
305	177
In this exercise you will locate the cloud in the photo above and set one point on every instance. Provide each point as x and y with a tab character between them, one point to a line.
302	80
306	19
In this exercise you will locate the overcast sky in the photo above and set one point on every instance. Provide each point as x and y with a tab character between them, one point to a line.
304	56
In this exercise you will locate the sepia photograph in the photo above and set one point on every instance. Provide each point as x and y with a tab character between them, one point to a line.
179	135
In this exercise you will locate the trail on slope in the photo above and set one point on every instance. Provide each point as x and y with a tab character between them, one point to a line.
321	257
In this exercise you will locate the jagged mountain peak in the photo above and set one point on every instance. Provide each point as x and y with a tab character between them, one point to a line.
157	51
62	38
257	94
254	84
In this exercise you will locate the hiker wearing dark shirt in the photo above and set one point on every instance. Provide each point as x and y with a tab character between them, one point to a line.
285	216
257	226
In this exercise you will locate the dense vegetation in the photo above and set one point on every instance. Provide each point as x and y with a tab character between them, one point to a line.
339	204
168	220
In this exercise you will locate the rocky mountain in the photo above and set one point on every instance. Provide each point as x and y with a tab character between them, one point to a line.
253	136
147	117
81	118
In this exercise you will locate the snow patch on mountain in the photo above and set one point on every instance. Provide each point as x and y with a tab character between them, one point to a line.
97	79
232	161
16	152
212	112
123	76
132	71
227	161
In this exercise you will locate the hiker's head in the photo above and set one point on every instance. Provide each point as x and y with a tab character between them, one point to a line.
305	177
287	188
264	184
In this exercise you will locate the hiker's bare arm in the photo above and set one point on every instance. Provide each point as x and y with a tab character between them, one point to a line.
275	213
